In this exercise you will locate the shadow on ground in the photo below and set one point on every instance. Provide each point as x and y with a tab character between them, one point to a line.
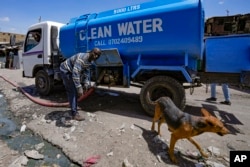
156	149
227	118
128	104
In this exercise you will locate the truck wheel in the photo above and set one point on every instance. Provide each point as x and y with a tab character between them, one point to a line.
44	82
159	86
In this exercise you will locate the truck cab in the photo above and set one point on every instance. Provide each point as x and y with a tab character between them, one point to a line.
41	53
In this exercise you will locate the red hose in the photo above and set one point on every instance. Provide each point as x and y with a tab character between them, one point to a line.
46	102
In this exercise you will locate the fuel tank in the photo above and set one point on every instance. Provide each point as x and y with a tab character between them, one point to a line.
153	30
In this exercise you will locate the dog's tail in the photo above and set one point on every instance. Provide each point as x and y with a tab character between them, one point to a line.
154	102
151	101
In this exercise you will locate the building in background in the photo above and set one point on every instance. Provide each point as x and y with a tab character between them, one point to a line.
5	38
10	42
226	25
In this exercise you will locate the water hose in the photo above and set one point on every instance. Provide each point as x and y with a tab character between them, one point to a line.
46	102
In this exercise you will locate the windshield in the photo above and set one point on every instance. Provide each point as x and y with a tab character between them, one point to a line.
33	38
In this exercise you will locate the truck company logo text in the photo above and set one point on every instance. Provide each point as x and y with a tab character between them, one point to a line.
128	32
127	9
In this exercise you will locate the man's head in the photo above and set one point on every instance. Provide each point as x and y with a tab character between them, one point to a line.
94	54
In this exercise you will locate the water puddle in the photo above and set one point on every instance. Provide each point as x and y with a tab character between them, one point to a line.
27	140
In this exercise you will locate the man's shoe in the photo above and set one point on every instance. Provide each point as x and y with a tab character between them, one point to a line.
78	117
226	102
211	99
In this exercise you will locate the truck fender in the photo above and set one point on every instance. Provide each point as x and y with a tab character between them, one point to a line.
164	68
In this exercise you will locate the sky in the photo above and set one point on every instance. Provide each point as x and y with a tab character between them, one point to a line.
17	15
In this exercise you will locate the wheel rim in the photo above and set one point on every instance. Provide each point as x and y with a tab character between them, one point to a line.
158	91
41	83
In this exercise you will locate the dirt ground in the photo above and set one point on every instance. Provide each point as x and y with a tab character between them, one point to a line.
117	130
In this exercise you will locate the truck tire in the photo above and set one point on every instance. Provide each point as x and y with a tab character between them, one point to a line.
159	86
44	82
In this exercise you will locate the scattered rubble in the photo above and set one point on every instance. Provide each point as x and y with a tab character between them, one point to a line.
66	136
34	154
23	127
39	146
121	129
125	163
214	151
193	154
19	162
214	164
110	154
162	155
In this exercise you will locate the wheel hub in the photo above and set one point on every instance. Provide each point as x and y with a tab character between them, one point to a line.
41	83
159	92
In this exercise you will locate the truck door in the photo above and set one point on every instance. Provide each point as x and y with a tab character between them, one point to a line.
32	51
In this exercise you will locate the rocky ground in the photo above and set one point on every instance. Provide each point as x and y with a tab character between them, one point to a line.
117	132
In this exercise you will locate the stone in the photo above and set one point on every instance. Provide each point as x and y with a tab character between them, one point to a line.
19	162
33	154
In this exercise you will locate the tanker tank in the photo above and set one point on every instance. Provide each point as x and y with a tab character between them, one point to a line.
162	30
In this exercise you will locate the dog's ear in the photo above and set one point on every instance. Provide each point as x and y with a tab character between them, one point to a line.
205	113
210	122
201	124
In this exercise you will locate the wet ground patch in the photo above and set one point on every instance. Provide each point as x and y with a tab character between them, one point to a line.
27	140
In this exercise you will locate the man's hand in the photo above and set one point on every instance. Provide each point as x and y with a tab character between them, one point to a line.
86	87
96	84
79	91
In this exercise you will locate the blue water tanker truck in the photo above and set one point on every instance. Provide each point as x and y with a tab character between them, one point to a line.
158	46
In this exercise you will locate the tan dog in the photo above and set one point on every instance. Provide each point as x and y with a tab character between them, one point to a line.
183	125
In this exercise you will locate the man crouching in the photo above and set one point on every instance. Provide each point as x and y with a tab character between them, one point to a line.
71	71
